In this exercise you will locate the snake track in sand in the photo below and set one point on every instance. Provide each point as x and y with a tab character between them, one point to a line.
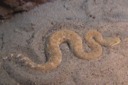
94	40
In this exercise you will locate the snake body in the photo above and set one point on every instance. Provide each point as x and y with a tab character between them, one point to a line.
93	38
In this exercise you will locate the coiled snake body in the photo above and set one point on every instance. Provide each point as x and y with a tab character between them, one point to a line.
94	40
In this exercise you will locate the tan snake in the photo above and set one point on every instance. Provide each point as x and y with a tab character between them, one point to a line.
94	40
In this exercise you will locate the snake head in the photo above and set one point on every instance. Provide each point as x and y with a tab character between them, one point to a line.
113	41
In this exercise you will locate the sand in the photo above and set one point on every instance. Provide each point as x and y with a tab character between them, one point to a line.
27	32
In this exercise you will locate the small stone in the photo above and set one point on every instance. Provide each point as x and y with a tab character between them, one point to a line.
11	55
5	58
19	55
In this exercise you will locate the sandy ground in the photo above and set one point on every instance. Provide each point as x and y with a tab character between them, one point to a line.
27	32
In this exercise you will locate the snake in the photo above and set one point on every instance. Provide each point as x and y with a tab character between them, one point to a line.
93	38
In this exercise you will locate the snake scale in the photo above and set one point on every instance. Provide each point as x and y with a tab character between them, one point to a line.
93	38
